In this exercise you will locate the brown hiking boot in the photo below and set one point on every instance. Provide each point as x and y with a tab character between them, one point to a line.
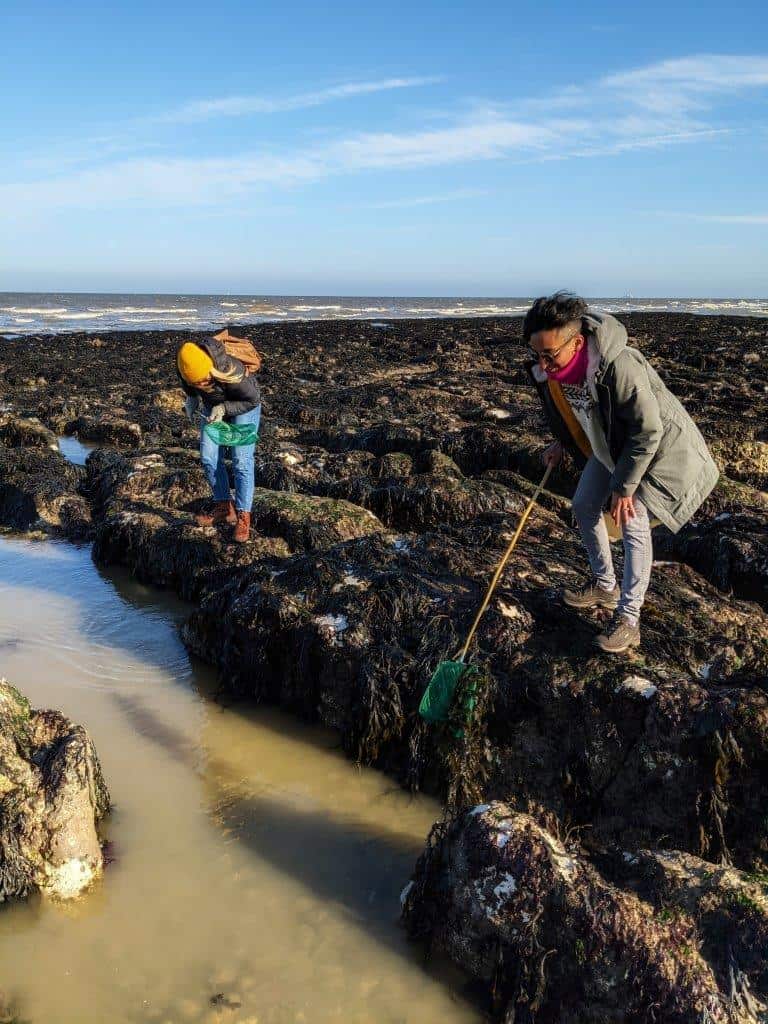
242	532
222	512
591	596
619	635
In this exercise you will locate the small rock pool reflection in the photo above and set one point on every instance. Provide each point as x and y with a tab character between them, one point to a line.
255	873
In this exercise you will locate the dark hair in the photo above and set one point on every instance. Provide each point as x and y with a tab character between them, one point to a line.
553	311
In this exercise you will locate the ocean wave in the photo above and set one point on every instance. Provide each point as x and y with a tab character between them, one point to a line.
77	316
23	309
461	310
22	320
229	304
143	309
306	309
151	320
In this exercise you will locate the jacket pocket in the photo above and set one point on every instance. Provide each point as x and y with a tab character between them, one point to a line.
668	472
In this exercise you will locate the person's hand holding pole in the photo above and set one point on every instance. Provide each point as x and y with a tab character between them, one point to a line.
553	455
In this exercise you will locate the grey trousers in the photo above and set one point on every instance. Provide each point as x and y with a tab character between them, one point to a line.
589	501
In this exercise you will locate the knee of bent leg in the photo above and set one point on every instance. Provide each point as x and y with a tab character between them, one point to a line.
586	506
242	460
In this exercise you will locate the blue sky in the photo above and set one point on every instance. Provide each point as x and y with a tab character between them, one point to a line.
401	149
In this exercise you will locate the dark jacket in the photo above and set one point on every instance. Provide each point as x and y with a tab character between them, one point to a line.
657	449
239	395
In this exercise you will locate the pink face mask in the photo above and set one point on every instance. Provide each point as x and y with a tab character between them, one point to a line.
573	372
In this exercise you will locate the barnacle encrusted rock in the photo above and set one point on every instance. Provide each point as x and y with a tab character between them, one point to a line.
52	795
555	939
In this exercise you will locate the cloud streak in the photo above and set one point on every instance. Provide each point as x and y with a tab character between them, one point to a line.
639	109
758	219
240	106
688	83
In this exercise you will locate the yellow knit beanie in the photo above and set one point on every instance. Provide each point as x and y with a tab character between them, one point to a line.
193	362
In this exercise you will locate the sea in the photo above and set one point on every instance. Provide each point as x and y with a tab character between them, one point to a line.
55	313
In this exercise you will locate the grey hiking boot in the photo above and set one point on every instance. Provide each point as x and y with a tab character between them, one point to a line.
591	596
619	635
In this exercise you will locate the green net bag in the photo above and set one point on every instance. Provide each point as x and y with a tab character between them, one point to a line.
438	697
232	435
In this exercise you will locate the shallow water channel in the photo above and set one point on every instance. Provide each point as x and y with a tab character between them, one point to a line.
256	873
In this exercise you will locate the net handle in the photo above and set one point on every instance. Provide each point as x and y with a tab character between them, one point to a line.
504	560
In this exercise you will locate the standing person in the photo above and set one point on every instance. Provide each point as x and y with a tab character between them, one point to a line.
219	388
641	453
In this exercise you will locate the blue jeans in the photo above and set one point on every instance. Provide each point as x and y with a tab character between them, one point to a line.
588	503
212	458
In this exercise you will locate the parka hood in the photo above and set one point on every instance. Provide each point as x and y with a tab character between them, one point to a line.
610	336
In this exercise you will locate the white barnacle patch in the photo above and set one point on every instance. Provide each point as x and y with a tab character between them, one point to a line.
638	686
505	888
497	414
67	880
289	459
480	809
349	579
502	837
332	623
564	864
509	611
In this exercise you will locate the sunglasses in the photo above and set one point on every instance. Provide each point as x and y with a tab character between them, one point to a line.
549	357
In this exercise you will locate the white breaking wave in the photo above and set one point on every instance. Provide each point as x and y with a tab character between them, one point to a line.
306	309
41	312
143	309
77	316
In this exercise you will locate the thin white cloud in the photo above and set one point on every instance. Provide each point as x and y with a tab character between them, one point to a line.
486	140
615	115
688	83
760	219
413	201
239	106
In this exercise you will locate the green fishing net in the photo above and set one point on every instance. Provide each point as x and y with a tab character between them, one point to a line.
438	697
232	435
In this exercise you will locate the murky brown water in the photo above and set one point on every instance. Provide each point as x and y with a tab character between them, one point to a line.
254	864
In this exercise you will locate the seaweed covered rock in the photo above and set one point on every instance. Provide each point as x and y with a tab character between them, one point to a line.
730	549
25	432
729	907
671	742
39	490
105	429
556	941
431	429
145	520
52	795
145	507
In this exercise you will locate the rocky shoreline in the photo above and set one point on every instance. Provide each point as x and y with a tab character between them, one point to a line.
625	826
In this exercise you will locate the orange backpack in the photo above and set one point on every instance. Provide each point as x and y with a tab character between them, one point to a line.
241	349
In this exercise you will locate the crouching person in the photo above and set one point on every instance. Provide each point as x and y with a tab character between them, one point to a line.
641	454
219	387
